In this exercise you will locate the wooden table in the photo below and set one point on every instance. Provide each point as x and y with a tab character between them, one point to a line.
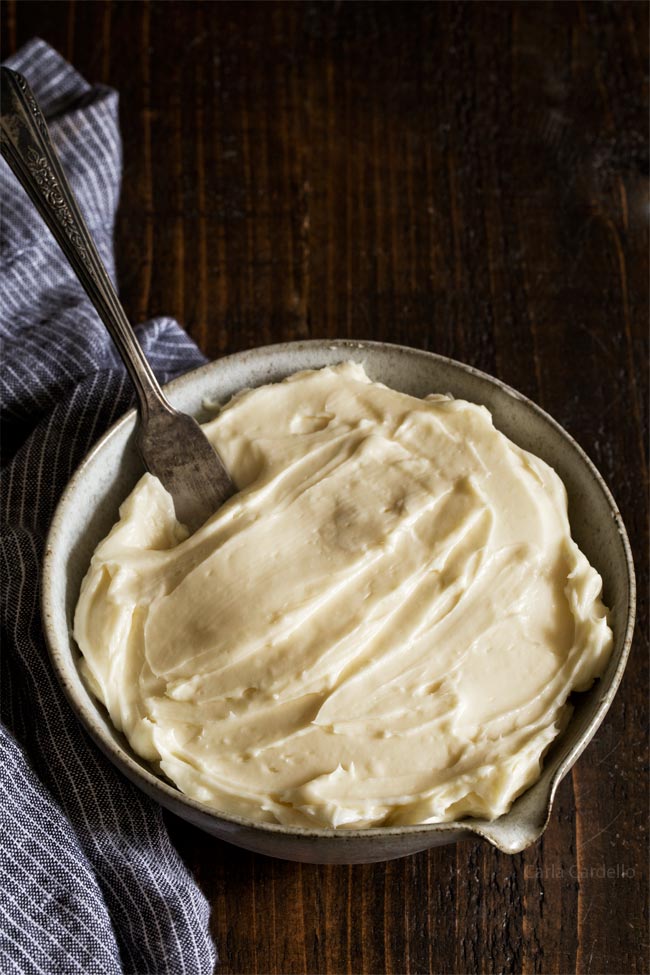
466	178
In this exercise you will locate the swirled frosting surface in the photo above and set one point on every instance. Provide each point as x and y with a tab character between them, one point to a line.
382	627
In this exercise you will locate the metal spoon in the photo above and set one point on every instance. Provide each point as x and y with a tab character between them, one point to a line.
171	444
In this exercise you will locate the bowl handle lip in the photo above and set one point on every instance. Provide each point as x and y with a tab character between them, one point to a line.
511	834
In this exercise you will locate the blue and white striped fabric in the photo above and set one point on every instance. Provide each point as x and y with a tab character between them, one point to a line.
89	880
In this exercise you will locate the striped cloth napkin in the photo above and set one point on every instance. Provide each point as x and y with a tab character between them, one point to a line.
89	880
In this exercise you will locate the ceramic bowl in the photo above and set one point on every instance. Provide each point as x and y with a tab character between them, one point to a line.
89	508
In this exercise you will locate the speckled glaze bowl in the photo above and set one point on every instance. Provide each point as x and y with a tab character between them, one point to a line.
89	508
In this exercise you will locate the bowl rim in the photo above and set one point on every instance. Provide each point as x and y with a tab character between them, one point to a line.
171	796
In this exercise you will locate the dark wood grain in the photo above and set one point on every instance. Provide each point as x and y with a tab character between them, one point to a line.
466	178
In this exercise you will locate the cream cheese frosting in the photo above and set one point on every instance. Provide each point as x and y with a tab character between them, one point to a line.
383	626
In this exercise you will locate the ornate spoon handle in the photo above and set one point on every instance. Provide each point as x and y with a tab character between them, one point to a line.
25	144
